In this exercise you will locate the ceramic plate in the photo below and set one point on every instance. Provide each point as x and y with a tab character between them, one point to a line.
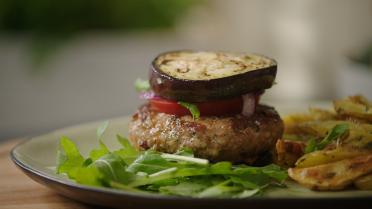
36	157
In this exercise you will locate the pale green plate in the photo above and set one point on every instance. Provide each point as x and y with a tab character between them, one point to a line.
36	157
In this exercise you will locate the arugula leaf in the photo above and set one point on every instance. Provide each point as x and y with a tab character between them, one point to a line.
247	183
95	154
255	177
101	129
247	193
338	131
275	172
142	85
69	159
125	143
102	150
128	153
184	188
157	185
224	189
311	146
221	168
89	176
194	110
112	167
87	162
183	170
150	162
169	174
182	158
185	152
117	185
228	183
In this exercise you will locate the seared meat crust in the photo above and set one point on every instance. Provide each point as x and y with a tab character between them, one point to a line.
232	138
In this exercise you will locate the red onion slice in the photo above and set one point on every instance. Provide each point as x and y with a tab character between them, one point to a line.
249	104
147	95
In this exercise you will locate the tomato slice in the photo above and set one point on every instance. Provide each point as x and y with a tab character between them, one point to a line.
220	107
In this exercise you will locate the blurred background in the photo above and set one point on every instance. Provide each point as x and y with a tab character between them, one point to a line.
73	61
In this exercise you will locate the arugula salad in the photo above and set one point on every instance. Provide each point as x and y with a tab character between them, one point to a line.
179	174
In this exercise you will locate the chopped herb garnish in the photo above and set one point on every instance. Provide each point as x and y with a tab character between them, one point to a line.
311	146
194	110
338	132
142	85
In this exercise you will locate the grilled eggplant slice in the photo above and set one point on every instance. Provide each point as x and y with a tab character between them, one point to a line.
203	76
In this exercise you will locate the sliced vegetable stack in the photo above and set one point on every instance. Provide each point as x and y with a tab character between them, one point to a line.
211	80
221	92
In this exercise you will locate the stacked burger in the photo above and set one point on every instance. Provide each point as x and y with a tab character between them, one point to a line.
208	102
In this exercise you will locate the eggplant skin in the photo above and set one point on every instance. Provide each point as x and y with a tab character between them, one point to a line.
172	88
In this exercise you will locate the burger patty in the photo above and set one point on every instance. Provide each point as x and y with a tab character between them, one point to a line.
225	138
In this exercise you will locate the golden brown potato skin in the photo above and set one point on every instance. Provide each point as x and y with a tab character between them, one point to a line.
232	138
333	176
287	152
364	182
345	161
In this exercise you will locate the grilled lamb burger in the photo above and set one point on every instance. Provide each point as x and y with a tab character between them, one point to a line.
208	102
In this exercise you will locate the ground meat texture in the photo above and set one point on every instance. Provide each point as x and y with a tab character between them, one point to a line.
238	138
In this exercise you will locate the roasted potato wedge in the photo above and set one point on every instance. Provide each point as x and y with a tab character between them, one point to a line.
359	140
288	152
315	114
364	182
339	163
354	107
316	128
333	176
320	128
322	114
328	156
359	99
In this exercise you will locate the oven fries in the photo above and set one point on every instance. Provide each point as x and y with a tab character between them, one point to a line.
325	163
356	107
364	182
333	176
